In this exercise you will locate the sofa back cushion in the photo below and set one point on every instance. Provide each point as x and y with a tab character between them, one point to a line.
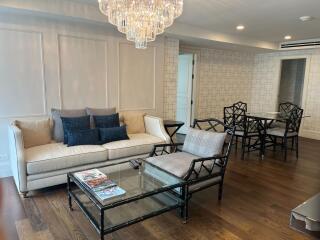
107	121
113	134
73	124
58	135
134	121
100	111
204	143
35	132
83	137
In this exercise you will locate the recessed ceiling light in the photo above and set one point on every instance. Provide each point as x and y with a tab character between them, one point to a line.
306	18
240	27
288	37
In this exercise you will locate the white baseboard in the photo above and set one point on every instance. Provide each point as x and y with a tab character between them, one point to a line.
310	134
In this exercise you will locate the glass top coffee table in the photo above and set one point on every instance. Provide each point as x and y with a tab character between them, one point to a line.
150	191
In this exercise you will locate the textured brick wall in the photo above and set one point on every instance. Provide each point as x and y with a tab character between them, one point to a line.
170	77
225	78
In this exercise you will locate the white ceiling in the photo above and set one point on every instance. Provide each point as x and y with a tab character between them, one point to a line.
265	20
203	22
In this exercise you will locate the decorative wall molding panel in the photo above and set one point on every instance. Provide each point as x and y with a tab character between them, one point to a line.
21	74
82	72
137	77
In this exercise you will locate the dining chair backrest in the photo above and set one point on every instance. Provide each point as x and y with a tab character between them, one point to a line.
228	116
287	107
234	117
251	126
241	105
294	120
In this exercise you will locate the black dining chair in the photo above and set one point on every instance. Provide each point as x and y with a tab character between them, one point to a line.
233	117
289	132
284	109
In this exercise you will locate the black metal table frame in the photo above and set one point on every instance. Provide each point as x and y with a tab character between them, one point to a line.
182	205
263	124
177	126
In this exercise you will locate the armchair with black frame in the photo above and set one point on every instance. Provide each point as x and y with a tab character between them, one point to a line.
203	158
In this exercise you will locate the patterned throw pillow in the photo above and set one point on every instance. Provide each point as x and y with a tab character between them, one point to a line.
73	124
83	137
204	143
113	134
107	121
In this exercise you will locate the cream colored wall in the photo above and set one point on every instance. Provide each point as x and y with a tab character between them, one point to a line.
46	63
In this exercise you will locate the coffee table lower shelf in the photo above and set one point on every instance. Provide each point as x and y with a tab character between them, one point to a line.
109	218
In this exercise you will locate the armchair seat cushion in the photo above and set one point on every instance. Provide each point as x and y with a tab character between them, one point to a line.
140	143
57	156
279	132
177	163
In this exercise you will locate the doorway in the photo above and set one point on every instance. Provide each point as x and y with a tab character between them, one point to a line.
185	91
292	81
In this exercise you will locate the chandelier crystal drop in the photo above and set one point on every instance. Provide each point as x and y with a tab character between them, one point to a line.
141	20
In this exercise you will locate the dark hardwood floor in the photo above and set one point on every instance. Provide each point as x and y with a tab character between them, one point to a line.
257	200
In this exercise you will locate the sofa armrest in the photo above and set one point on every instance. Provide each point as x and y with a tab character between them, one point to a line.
154	126
18	164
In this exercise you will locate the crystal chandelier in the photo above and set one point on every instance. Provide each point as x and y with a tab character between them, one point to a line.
141	20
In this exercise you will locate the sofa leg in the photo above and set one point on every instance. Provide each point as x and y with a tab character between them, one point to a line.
25	194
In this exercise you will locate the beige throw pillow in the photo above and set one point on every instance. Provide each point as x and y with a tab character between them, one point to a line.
134	121
35	133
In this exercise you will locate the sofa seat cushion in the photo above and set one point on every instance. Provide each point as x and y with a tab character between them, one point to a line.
139	143
56	156
179	163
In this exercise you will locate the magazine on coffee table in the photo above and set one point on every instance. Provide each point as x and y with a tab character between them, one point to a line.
100	185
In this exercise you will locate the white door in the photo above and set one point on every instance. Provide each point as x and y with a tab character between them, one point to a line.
184	91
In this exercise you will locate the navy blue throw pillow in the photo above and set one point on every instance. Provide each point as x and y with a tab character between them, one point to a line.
74	123
83	137
107	121
113	134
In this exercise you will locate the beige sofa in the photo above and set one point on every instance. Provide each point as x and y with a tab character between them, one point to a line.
47	165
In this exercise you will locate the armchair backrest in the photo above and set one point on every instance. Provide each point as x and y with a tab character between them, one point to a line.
212	124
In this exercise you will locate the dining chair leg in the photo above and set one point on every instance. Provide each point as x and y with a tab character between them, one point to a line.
243	147
292	143
249	143
297	146
274	143
236	142
285	146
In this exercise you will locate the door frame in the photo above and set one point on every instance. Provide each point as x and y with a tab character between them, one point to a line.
195	81
305	81
306	76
